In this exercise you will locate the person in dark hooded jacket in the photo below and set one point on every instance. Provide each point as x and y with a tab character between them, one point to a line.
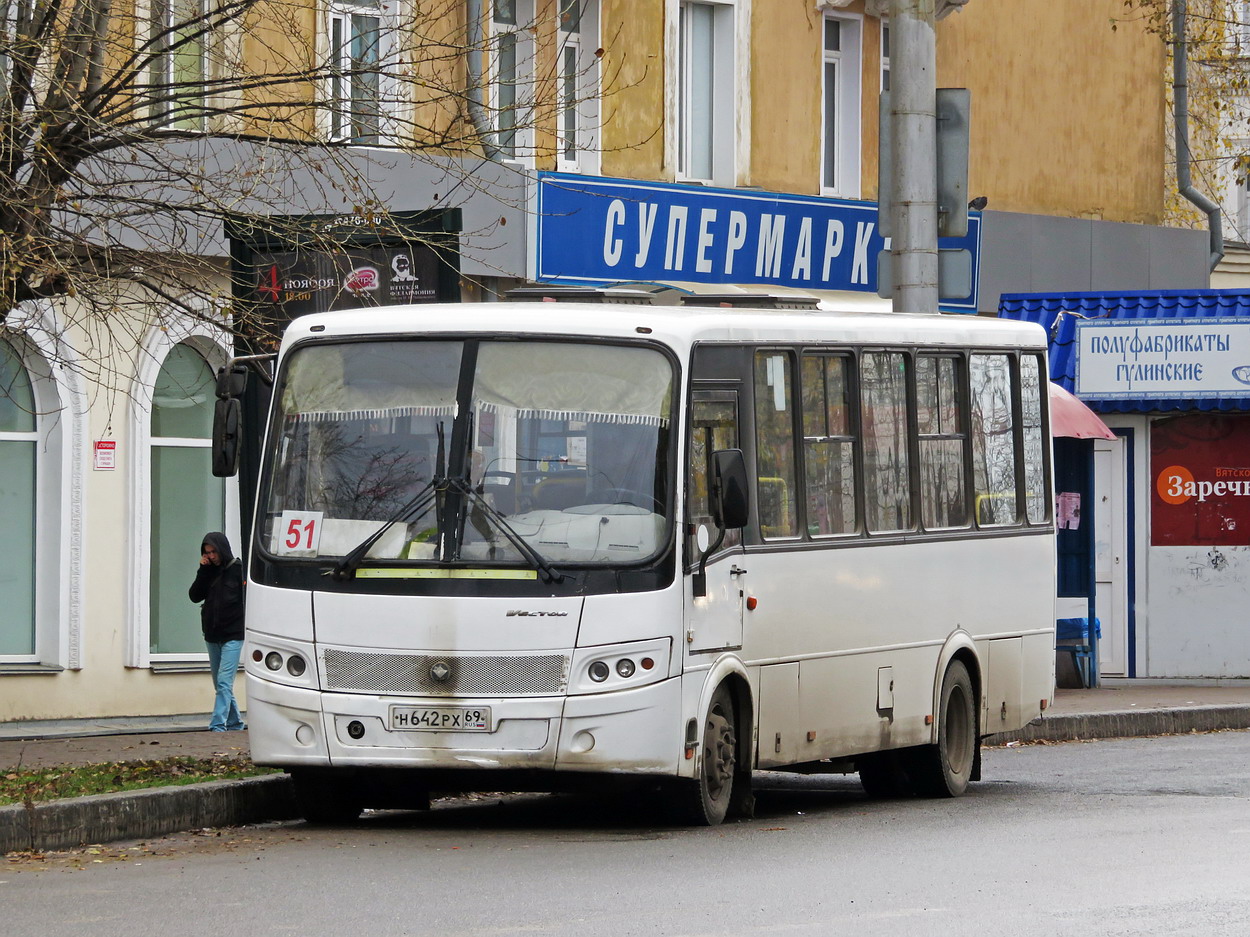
219	586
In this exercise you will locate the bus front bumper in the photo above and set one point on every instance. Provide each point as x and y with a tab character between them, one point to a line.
633	731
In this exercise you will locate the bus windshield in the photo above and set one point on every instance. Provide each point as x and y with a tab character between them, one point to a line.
462	447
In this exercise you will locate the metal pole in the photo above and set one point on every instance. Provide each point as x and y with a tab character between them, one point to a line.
913	117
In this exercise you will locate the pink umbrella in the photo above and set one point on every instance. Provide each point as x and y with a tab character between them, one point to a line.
1070	417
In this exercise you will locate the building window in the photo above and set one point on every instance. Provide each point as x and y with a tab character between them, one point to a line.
18	472
511	51
578	85
355	73
179	67
840	107
187	501
706	99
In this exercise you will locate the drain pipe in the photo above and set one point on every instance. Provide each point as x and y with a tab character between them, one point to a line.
1180	97
477	111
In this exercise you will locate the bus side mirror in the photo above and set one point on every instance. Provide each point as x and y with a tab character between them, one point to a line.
226	422
730	500
231	381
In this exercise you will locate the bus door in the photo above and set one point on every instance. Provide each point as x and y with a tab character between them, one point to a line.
714	620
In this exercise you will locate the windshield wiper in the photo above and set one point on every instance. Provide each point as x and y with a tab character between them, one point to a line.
535	558
354	558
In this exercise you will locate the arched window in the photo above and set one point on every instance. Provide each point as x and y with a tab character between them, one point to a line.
18	468
187	501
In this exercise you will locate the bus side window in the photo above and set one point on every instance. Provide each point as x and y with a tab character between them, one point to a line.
1037	505
993	441
887	472
714	425
774	445
829	440
939	417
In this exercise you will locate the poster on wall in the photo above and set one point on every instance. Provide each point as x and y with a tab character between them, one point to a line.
1200	466
313	281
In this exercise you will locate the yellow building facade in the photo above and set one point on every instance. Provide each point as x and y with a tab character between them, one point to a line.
676	146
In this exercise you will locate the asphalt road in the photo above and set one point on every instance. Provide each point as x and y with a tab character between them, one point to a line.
1126	837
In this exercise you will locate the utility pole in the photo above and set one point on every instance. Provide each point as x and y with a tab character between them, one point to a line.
913	141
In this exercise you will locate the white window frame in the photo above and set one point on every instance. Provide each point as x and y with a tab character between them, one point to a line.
843	178
577	90
215	347
519	148
388	86
61	452
730	99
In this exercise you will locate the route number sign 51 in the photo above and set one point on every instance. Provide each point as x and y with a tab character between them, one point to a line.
298	533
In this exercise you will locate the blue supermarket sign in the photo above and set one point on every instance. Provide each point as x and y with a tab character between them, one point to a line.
606	231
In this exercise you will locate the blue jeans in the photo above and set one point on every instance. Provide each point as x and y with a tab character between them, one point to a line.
223	664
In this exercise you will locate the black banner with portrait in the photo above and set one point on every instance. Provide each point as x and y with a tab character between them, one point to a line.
292	266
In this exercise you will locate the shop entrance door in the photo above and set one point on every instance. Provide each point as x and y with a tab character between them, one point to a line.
1112	504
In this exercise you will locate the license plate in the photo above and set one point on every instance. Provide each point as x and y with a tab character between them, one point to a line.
440	718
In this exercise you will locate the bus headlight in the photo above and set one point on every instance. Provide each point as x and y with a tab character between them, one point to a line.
620	667
281	663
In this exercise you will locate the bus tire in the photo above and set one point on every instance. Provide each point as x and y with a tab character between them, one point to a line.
945	768
325	799
707	798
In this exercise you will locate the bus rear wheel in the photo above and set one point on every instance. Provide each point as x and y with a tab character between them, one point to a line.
325	798
945	768
707	798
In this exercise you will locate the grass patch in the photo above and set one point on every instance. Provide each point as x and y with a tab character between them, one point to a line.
33	785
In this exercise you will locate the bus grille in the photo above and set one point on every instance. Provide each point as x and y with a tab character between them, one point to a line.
412	674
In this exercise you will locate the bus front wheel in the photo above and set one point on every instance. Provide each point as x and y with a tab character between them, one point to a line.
945	768
708	797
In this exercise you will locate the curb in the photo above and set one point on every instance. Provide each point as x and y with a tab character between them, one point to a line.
1128	723
77	821
102	818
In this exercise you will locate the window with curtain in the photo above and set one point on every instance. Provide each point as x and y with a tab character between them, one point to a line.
187	501
18	460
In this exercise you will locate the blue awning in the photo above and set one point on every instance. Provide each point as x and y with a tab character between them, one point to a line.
1059	313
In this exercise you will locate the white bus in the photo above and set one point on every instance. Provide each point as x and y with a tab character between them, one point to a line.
526	546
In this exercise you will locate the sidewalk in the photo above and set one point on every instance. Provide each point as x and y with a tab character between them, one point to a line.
1114	711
